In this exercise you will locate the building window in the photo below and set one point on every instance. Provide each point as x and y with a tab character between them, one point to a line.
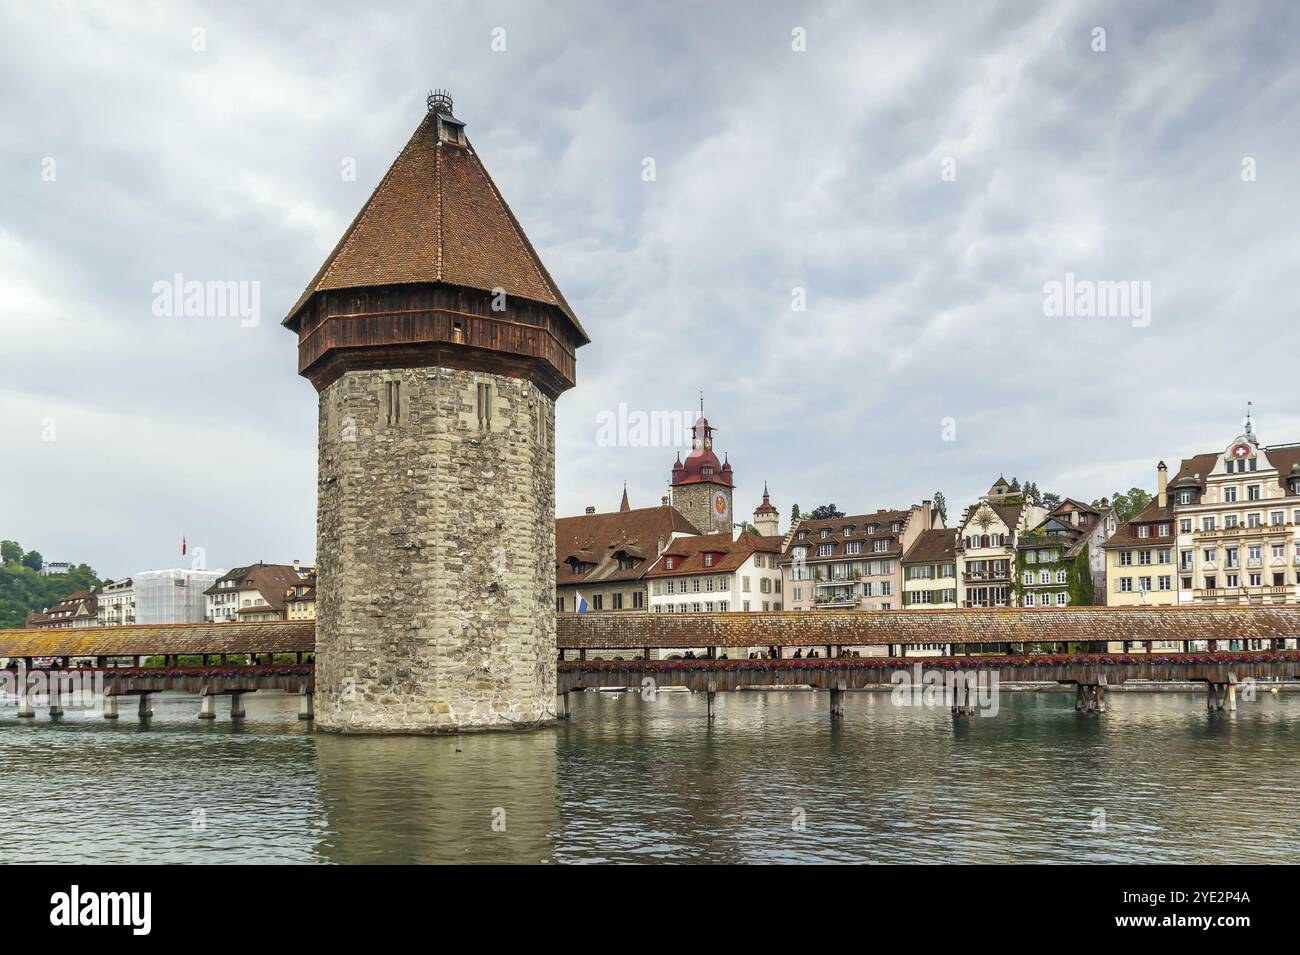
483	405
825	550
708	560
559	604
1229	495
1062	599
668	565
1252	492
597	601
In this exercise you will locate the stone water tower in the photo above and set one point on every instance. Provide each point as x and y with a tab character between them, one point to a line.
438	343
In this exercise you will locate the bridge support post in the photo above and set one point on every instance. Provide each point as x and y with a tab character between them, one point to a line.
145	711
562	705
237	705
1080	698
110	707
56	697
1100	690
306	705
207	707
1211	696
711	692
837	700
25	709
1231	692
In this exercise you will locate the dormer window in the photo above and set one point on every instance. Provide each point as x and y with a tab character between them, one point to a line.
896	526
872	528
848	530
803	535
708	560
669	563
706	471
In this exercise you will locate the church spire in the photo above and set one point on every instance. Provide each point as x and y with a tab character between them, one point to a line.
624	506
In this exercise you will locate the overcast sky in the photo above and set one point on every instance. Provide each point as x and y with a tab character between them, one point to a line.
920	171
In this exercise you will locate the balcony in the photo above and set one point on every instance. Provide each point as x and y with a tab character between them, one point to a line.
985	603
987	576
845	601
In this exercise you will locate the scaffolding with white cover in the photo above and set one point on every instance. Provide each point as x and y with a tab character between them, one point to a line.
173	596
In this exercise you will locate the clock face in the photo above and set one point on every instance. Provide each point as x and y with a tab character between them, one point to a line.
720	504
1241	451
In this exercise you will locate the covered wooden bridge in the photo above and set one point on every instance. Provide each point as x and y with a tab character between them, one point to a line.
1087	647
54	667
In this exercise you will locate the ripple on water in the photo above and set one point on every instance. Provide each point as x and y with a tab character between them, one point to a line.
633	780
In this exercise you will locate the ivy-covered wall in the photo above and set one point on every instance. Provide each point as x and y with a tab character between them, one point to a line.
1078	583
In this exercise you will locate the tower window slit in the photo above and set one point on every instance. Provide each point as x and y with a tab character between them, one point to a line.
393	402
483	395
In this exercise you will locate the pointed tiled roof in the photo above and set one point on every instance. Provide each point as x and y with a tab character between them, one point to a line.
766	507
437	216
623	505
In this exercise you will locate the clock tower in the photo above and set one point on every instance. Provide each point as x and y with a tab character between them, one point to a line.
702	486
438	344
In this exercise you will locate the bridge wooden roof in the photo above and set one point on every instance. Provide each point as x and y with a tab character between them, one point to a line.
820	628
281	636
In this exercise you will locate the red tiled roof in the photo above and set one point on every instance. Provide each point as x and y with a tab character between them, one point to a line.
839	541
596	539
437	216
939	544
728	554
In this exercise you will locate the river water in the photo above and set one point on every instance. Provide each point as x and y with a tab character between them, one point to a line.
627	779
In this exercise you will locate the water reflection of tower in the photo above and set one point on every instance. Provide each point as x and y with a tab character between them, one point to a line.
490	797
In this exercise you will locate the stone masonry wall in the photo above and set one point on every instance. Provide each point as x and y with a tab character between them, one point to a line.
436	554
695	503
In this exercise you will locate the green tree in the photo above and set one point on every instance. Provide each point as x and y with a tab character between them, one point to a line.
825	511
1127	506
794	514
24	591
941	505
33	560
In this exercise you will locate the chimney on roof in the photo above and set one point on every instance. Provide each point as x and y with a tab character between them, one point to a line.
1162	484
664	500
296	565
591	510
